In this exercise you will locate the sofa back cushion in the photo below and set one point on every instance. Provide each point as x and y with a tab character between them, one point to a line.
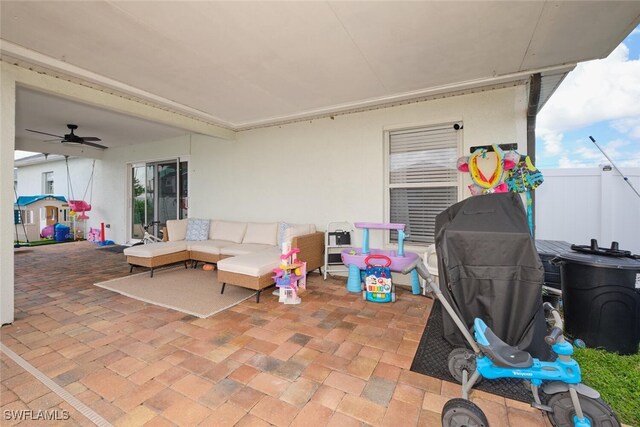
177	229
228	230
262	233
286	231
197	229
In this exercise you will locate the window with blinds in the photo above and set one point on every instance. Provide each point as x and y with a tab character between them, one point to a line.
423	179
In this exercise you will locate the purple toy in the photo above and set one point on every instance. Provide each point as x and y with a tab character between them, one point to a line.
354	258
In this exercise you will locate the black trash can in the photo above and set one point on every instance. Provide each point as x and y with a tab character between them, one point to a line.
601	297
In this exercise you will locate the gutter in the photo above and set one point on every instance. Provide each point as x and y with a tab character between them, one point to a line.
535	87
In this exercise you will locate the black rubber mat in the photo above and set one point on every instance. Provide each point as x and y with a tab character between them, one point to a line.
118	249
431	359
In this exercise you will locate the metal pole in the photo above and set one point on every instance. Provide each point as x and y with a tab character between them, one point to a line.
615	167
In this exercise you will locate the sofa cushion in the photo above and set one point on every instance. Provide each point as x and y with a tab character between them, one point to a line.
262	233
151	250
244	248
228	230
197	229
213	247
254	264
177	229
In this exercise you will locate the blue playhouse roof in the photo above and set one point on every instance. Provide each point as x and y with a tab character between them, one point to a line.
27	200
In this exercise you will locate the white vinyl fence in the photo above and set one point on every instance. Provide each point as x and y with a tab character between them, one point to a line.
577	205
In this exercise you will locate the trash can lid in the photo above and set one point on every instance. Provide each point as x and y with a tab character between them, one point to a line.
592	260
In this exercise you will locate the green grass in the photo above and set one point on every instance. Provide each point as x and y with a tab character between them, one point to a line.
43	242
616	377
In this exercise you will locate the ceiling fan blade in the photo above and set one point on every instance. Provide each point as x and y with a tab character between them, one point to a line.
91	138
44	133
92	144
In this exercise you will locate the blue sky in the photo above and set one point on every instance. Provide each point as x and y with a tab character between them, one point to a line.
600	98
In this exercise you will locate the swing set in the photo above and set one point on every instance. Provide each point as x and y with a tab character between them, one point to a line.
18	219
79	206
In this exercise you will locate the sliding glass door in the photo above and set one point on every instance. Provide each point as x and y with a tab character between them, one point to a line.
159	193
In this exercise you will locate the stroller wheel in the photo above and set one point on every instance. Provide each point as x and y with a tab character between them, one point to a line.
459	360
595	410
462	412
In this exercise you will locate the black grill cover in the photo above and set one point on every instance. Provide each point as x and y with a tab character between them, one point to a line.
489	268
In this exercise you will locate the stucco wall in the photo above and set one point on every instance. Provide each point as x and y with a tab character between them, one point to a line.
332	169
314	171
7	138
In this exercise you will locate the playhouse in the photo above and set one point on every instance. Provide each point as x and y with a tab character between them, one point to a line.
37	213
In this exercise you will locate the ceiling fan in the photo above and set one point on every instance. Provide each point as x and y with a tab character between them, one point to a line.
73	138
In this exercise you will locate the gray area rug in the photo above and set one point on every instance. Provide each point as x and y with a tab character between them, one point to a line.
191	291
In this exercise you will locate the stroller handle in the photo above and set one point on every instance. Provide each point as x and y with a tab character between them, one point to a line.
418	265
556	331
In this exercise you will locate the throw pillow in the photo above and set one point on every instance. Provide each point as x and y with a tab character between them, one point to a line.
282	228
197	229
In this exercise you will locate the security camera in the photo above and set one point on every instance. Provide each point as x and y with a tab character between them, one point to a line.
458	126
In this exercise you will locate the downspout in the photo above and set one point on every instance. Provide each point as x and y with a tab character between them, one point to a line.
535	87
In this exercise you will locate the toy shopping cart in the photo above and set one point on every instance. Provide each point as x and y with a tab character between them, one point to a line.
377	285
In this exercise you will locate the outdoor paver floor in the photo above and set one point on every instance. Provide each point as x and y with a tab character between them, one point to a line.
333	360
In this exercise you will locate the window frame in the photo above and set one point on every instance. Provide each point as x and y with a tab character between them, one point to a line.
388	130
46	181
25	214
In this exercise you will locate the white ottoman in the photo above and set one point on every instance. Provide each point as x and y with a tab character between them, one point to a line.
252	271
154	255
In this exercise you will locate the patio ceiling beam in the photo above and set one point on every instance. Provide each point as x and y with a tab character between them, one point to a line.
73	150
132	106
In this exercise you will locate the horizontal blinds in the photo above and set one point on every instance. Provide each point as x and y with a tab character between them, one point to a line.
418	207
422	179
423	155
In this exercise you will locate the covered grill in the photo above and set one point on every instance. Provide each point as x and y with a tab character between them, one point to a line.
489	268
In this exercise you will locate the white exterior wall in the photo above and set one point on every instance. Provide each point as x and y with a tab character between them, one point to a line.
30	179
332	170
577	205
308	172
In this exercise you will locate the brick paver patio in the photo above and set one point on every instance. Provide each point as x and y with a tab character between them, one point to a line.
333	360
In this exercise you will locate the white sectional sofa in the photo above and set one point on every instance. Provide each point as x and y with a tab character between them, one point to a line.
245	252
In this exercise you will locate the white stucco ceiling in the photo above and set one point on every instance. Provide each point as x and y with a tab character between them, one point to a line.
253	63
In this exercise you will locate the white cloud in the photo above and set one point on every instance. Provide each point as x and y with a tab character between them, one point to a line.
602	92
588	155
566	162
552	142
628	126
606	89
